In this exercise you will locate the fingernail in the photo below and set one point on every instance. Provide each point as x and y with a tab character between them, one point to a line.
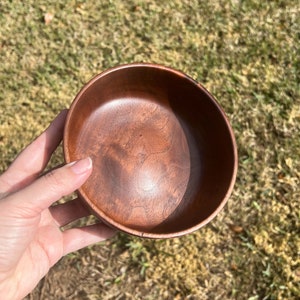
81	166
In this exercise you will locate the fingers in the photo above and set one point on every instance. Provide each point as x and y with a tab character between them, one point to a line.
68	212
77	238
33	159
49	188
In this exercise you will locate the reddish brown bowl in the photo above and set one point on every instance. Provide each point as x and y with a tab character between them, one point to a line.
164	154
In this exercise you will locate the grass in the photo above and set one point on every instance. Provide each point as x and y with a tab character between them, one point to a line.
244	52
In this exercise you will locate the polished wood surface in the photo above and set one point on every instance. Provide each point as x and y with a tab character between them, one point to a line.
163	152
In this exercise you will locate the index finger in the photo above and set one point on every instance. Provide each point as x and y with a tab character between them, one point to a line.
33	159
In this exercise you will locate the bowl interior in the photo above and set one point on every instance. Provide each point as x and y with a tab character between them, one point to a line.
164	156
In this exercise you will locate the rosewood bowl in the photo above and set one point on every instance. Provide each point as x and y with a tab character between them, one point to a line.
164	154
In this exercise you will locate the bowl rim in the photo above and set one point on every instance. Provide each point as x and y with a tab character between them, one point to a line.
101	215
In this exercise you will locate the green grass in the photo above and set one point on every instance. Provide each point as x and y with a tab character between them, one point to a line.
244	52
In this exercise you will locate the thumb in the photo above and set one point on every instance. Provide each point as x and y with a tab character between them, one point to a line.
52	186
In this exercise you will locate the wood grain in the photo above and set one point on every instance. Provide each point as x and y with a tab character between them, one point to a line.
163	152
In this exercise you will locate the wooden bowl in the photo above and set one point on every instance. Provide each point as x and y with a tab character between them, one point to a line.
164	154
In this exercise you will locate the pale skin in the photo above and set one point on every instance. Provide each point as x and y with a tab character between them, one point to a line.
31	239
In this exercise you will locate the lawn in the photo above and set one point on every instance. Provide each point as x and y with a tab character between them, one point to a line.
246	53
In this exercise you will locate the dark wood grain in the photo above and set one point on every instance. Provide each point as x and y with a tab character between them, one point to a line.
163	152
